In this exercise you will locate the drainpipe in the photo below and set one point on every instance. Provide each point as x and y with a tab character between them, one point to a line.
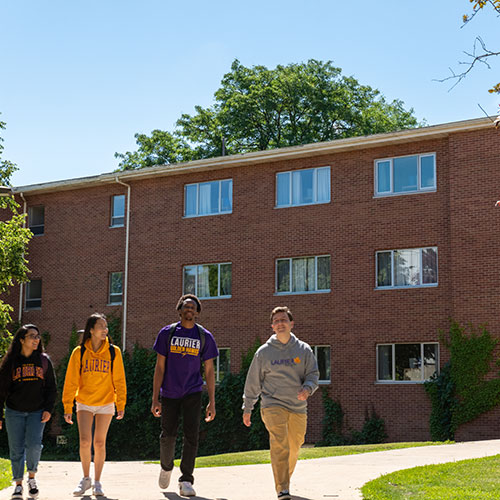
125	273
21	285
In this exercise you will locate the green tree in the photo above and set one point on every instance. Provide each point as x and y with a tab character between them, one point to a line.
13	242
259	108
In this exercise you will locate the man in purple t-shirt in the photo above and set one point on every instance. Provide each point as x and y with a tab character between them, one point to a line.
180	349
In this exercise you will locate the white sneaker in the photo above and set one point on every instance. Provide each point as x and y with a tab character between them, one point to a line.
186	489
164	479
97	489
32	488
84	484
18	491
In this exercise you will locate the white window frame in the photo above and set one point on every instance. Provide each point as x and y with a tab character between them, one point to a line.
217	364
113	222
405	382
420	285
218	279
315	350
291	277
36	226
197	184
110	295
315	188
419	189
27	307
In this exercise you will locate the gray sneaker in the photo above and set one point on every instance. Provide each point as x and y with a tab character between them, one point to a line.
164	479
186	489
97	489
18	491
84	485
33	488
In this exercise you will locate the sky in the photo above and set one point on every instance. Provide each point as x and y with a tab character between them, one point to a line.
79	79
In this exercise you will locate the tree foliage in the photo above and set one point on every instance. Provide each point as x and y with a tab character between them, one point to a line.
13	242
258	108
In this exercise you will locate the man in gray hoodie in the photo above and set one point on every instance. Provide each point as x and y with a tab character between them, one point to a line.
284	373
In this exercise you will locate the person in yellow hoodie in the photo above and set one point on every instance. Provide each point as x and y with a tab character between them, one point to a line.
95	378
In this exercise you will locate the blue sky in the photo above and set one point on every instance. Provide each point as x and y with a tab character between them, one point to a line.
79	79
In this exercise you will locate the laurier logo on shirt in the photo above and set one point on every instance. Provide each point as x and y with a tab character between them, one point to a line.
96	365
286	361
185	345
27	372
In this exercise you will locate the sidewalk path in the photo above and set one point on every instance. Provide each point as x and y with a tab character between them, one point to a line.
337	478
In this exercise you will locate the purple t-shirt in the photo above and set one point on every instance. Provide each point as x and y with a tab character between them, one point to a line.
182	366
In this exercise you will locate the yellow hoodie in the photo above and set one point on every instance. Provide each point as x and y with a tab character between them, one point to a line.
95	384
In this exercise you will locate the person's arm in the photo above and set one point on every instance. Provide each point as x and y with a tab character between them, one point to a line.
120	383
252	390
49	392
71	383
311	376
157	381
210	380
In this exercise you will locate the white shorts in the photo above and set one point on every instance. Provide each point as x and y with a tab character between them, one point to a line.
108	409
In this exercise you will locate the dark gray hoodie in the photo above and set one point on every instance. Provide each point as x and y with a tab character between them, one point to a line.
278	373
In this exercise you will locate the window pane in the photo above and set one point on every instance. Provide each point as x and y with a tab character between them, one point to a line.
384	276
203	283
385	362
36	219
323	184
283	189
383	177
214	197
225	279
302	186
204	205
283	275
116	283
323	357
226	202
299	275
119	205
213	280
430	360
427	178
407	267
408	362
224	363
190	199
190	279
324	273
429	265
34	294
405	174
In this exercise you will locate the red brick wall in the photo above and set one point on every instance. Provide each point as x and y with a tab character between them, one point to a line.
78	250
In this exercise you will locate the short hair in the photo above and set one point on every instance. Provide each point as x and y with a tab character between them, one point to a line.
281	309
189	296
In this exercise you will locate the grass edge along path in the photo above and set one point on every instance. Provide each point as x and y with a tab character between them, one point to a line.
262	456
473	479
5	473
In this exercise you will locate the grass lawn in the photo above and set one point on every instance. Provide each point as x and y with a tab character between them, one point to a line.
465	480
5	473
262	456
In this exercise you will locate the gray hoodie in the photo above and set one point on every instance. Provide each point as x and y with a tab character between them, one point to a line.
278	373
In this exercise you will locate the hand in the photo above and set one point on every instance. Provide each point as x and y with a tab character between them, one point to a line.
156	409
67	418
119	414
46	416
210	412
0	424
247	419
303	394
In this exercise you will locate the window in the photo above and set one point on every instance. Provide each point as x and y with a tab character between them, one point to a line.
303	274
208	198
36	220
406	268
303	187
407	362
322	353
115	288
208	280
118	210
34	294
222	363
406	174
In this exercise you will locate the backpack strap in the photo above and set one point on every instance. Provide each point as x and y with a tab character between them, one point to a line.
82	352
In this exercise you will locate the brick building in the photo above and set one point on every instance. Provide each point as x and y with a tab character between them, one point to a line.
373	242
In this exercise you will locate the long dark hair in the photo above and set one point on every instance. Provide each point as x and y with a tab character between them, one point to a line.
15	347
91	321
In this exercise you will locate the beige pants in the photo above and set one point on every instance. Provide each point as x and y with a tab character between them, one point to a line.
286	435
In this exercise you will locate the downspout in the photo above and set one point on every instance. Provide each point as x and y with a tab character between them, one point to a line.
125	273
21	285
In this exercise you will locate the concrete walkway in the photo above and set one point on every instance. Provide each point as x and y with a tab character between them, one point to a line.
336	478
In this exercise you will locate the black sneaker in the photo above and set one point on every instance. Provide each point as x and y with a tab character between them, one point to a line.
284	495
33	488
18	491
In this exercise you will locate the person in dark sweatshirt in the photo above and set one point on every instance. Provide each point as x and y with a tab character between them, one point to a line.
284	373
28	391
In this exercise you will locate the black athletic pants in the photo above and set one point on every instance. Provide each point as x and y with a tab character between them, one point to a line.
171	409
